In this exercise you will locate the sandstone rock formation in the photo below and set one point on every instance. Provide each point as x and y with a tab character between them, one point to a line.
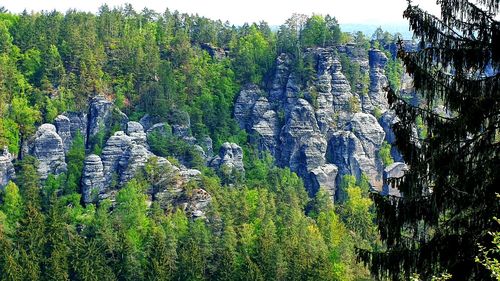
321	129
92	178
7	171
63	126
102	115
48	148
230	156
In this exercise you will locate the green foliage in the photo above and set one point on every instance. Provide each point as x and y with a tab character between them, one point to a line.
74	159
9	135
24	115
168	145
252	56
12	206
385	154
394	71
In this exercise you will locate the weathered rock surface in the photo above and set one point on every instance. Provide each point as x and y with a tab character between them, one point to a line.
230	156
92	178
322	129
78	123
102	115
136	132
63	126
111	154
48	148
133	158
7	171
324	177
377	97
160	128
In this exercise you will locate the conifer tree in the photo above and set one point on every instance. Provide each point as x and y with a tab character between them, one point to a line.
449	192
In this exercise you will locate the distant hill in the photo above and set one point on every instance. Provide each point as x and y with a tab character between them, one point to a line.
369	29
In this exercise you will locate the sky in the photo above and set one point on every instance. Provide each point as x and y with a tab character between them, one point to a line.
274	12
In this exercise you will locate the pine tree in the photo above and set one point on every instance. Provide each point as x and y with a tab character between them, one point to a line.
449	192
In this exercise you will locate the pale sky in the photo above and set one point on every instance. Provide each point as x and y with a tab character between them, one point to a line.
275	12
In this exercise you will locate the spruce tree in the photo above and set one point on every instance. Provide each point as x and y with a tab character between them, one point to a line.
449	191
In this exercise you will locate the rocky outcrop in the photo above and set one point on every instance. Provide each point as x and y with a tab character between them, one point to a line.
244	104
132	159
324	177
48	148
136	132
392	173
92	178
160	128
215	52
7	171
230	157
78	123
103	115
377	97
111	154
63	126
324	128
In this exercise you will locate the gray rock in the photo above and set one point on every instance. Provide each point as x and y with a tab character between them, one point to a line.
278	87
63	126
230	156
112	153
160	128
356	152
264	126
7	171
136	132
393	172
181	131
377	97
147	121
324	177
215	52
387	121
78	124
134	158
92	179
102	115
244	104
48	148
206	143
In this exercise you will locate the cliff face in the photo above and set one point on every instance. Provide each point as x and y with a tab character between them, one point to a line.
326	128
124	154
322	128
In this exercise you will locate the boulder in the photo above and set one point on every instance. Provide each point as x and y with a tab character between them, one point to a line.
92	179
325	177
230	156
48	148
136	132
7	171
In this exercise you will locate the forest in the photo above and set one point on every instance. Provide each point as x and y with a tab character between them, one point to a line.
263	224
